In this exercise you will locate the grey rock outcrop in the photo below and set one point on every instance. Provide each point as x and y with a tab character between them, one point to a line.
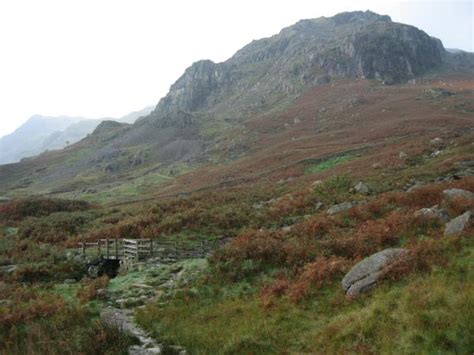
123	319
458	224
458	193
364	276
345	206
351	44
362	188
433	213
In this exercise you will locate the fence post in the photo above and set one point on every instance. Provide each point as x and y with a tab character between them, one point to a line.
151	247
98	246
116	249
83	248
106	248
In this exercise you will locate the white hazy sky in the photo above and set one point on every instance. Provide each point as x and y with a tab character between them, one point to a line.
99	58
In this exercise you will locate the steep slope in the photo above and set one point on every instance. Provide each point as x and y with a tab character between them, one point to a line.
211	113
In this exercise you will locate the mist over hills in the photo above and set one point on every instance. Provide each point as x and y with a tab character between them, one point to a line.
43	133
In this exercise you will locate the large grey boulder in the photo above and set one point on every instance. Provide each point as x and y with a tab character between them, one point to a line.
364	276
458	224
345	206
458	193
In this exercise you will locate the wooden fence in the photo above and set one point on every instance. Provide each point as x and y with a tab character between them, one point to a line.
137	249
140	249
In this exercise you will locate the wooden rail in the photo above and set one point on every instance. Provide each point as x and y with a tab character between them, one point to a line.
116	249
141	249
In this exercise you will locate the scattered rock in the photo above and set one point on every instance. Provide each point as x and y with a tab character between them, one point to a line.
318	206
436	142
403	155
316	183
458	193
362	188
433	213
286	229
123	320
458	224
6	303
257	206
93	271
140	350
364	276
4	199
435	93
436	153
102	294
376	165
345	206
8	269
414	187
69	281
466	164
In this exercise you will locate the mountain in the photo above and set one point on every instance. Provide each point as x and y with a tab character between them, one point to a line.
43	133
312	194
218	113
30	137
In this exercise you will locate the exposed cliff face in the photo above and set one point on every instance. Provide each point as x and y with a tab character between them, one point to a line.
353	44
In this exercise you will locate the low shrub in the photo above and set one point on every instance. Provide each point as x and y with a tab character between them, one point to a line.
36	207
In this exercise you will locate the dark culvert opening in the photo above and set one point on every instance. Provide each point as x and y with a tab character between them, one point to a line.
103	267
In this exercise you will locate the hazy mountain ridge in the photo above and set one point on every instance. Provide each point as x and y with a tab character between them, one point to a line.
43	133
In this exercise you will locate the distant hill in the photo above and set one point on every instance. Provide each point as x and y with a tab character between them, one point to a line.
218	113
43	133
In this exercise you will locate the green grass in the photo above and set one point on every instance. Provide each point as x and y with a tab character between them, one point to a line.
423	314
328	164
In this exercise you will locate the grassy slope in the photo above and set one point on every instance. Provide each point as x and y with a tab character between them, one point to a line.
428	313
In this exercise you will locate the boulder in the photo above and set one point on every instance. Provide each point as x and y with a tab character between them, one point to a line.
458	193
318	206
364	276
141	350
102	294
458	224
433	213
414	187
436	142
345	206
8	269
362	188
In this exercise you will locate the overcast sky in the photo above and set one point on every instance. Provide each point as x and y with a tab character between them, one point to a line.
105	58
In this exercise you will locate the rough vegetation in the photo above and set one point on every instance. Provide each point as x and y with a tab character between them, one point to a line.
256	226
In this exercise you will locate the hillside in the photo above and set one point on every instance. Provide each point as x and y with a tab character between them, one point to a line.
206	115
312	194
41	133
